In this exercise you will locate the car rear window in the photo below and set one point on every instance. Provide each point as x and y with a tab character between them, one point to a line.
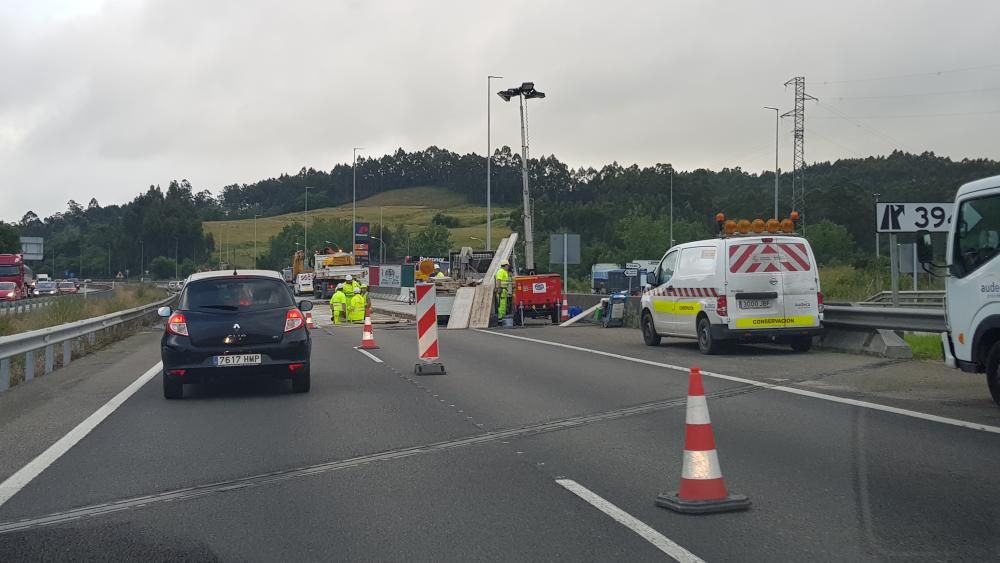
767	257
236	294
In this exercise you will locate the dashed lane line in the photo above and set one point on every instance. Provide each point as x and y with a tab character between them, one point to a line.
275	477
371	356
782	388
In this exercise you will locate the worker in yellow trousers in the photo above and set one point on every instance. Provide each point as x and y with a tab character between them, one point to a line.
338	305
356	308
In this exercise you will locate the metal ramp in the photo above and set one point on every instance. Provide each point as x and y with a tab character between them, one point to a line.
482	302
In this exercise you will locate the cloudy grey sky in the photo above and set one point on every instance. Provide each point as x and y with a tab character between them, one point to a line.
102	98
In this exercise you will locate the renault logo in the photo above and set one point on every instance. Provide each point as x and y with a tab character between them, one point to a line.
773	281
236	327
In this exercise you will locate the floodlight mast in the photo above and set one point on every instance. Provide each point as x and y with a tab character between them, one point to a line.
525	92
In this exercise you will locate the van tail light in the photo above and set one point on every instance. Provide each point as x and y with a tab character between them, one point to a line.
177	324
294	320
819	301
722	306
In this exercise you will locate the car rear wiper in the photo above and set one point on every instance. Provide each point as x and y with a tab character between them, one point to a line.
223	307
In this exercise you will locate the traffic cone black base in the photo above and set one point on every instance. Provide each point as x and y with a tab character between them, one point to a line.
731	503
429	368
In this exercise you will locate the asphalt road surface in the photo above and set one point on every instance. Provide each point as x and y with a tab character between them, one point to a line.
539	444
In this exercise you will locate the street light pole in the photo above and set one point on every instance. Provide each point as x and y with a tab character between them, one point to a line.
776	120
354	199
177	246
489	164
255	241
671	205
380	229
305	246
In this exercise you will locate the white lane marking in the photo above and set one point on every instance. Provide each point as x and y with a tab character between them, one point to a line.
34	468
663	543
373	357
782	388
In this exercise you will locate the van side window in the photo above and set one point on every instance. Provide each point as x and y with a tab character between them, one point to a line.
666	269
977	238
697	261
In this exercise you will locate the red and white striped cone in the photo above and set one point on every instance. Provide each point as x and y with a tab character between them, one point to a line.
368	336
309	320
427	336
565	310
702	488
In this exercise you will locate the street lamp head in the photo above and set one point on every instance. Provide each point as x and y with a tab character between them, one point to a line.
508	94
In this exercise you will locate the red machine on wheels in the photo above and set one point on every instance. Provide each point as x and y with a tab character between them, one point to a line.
537	297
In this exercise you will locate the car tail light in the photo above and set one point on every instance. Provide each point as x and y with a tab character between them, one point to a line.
295	367
722	306
294	320
177	324
819	301
177	372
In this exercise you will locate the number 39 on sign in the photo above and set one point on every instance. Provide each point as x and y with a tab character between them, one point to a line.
913	217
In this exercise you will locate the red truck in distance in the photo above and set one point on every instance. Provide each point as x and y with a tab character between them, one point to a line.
12	271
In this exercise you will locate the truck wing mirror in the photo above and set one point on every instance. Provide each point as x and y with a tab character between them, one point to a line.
925	248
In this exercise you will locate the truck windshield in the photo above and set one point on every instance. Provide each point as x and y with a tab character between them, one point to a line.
9	270
977	238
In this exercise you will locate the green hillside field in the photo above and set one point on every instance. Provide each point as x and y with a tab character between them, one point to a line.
412	207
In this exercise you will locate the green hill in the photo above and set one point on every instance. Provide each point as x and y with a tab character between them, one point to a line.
411	207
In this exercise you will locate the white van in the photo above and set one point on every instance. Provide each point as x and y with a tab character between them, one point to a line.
749	288
303	284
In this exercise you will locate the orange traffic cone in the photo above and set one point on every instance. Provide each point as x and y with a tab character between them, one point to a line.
309	320
368	336
565	310
702	488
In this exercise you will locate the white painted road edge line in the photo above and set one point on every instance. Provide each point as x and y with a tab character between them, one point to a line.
34	468
663	543
782	388
373	357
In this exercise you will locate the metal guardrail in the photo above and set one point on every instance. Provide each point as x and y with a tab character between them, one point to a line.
46	339
923	298
909	319
31	304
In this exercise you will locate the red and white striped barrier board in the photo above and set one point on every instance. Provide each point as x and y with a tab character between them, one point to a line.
702	488
427	333
768	257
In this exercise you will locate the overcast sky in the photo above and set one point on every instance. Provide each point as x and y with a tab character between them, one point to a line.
101	98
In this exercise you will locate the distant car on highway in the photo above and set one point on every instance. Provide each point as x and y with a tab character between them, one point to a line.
9	291
45	288
235	325
68	287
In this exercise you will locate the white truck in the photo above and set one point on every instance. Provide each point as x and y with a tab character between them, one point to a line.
332	269
972	285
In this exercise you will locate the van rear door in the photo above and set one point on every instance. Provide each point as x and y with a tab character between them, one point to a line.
754	285
801	286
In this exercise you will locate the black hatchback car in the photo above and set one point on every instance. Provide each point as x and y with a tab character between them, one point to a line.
235	323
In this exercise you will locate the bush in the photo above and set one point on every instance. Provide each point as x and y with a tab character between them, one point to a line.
446	221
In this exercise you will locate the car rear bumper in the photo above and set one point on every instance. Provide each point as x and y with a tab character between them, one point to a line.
722	332
198	364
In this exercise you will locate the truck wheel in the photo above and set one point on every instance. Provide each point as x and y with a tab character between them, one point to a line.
649	335
706	343
801	343
993	372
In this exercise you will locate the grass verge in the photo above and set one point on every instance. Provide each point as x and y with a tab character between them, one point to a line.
64	311
924	346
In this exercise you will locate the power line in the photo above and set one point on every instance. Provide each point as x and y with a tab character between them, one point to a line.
913	115
914	95
911	75
841	115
